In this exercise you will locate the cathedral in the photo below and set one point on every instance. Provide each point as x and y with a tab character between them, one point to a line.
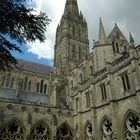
84	96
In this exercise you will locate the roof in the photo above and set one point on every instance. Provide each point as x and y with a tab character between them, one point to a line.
35	67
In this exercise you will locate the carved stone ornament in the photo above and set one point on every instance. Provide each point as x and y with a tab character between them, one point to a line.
132	127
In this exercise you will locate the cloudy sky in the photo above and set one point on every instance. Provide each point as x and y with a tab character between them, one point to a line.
126	13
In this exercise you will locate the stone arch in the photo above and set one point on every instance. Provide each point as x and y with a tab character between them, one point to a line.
12	130
88	128
40	131
131	125
64	132
106	128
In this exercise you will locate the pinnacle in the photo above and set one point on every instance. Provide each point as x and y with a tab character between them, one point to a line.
102	35
131	39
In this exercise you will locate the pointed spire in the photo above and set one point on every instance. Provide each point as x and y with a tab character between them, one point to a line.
131	39
71	8
102	35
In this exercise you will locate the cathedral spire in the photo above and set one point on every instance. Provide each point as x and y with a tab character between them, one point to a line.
102	34
71	8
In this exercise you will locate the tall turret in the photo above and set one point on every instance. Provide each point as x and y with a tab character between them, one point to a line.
72	44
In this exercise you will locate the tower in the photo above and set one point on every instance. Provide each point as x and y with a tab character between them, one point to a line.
71	45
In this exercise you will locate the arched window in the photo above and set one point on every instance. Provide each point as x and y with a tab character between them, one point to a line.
41	86
25	83
113	45
88	131
40	131
3	81
12	82
45	88
13	130
106	128
132	127
64	132
87	99
38	86
117	47
29	85
8	80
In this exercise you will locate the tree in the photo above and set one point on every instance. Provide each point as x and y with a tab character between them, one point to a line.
17	22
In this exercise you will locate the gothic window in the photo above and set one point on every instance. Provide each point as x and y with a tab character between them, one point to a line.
3	81
89	131
12	131
64	132
125	49
113	44
106	129
103	91
125	81
25	83
117	47
40	131
8	77
12	82
29	85
41	86
76	104
38	85
132	127
87	99
45	88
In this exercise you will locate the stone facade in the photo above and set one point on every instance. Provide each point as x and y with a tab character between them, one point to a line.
86	96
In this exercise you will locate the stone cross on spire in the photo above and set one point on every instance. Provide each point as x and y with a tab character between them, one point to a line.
71	8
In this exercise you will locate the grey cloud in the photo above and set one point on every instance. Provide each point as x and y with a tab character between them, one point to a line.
125	12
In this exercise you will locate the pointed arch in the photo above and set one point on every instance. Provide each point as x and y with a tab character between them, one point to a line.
41	86
13	129
64	132
106	128
40	130
88	130
131	125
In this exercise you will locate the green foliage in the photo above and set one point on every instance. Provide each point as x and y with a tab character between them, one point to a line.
20	24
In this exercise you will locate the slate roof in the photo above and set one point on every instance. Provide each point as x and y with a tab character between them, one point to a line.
35	67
